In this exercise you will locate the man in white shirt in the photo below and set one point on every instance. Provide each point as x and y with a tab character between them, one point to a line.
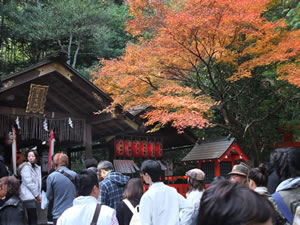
161	204
83	209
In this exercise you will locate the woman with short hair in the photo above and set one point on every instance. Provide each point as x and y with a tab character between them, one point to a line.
132	195
11	207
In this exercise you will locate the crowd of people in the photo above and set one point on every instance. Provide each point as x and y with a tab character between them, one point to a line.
268	194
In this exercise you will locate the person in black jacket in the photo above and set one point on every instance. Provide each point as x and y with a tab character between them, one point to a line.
11	207
3	169
91	164
228	203
133	192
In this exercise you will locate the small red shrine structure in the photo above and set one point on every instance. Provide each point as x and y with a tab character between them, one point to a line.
216	157
288	138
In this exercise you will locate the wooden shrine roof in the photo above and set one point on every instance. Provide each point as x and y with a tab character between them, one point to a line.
211	149
69	95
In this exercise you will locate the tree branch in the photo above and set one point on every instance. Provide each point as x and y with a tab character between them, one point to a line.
249	125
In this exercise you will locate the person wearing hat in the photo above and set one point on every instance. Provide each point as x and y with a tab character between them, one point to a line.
239	174
196	187
112	186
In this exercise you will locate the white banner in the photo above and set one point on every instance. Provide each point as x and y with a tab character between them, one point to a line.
14	151
51	150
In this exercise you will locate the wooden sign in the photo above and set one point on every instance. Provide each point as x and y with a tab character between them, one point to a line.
37	98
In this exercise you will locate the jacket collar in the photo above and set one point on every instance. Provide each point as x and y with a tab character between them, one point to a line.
14	201
290	183
64	168
84	200
156	184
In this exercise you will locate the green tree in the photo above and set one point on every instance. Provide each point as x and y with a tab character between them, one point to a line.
76	26
287	9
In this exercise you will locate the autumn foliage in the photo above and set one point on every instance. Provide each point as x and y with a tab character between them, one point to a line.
179	44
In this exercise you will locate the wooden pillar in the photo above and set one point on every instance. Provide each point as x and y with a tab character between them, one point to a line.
217	168
69	151
88	141
199	164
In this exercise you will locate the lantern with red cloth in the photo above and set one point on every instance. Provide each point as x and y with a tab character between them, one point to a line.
119	147
127	148
151	149
136	148
144	149
158	150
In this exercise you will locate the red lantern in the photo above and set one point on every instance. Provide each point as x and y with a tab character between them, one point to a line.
136	148
144	149
158	150
119	147
151	146
127	148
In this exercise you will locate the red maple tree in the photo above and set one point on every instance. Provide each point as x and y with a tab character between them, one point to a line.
178	50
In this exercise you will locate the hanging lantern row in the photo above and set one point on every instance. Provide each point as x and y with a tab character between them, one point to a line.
138	148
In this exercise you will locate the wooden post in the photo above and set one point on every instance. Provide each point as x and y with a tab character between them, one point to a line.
88	142
69	151
199	164
217	168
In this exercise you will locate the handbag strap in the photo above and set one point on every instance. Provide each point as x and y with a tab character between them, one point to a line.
130	206
283	207
96	214
67	175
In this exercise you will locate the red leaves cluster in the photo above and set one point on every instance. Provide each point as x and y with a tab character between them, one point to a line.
158	72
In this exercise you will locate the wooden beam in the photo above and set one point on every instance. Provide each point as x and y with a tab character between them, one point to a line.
88	142
26	76
121	133
67	88
114	123
63	71
98	119
132	124
63	104
96	94
21	112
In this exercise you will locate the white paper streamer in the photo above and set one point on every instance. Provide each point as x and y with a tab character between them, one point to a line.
45	125
70	122
18	123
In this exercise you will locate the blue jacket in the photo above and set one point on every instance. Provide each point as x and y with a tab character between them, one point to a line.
112	189
61	191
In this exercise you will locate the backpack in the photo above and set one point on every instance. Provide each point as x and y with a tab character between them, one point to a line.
135	219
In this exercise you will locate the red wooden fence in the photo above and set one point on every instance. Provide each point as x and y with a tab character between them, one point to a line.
181	188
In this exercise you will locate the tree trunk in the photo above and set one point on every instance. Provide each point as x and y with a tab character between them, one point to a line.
1	32
75	55
70	49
